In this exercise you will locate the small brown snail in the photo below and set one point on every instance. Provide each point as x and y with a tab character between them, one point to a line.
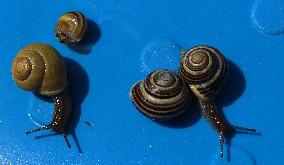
71	27
204	68
163	95
39	67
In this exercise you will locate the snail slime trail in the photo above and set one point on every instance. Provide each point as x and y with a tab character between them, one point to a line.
38	67
204	68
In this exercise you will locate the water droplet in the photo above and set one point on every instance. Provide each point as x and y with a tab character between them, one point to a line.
160	54
39	111
238	155
268	16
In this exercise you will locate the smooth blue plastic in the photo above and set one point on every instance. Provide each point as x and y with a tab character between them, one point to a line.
126	40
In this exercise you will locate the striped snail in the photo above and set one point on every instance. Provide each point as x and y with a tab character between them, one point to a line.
39	67
71	27
204	68
162	95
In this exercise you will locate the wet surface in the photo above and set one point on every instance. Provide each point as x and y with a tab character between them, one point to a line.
128	40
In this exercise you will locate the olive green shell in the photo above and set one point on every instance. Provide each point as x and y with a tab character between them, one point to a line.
71	27
163	95
39	67
204	68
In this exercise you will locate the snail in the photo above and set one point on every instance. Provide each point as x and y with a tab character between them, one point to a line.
40	68
162	95
71	27
205	69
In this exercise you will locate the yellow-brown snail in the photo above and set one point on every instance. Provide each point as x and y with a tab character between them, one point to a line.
204	68
162	95
40	68
71	27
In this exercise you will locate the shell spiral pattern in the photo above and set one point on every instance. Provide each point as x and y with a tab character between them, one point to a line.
163	95
71	27
204	68
39	67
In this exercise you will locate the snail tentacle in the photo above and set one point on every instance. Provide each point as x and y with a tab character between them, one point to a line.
222	139
66	139
234	127
39	67
62	106
204	68
47	127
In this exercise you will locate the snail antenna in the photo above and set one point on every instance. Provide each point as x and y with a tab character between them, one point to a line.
66	139
221	144
39	129
233	127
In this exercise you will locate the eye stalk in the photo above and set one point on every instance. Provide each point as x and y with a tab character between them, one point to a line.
40	68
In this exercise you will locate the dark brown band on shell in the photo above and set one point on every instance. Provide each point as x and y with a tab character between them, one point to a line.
162	95
71	27
205	69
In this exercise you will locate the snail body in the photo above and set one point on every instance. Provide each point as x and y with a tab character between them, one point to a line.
204	68
40	68
162	95
71	27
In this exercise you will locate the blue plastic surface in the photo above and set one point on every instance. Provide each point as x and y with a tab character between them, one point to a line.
126	40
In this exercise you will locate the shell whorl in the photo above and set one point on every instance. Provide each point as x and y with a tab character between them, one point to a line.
71	27
162	95
204	68
39	67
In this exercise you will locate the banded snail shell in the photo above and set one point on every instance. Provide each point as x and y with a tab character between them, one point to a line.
205	69
163	95
39	67
71	27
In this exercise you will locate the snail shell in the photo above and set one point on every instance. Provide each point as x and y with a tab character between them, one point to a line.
205	69
71	27
162	95
39	67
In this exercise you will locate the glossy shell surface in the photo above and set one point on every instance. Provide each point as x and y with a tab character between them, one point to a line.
39	67
204	68
162	95
71	27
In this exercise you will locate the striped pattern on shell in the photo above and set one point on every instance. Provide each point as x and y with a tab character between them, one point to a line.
162	95
205	69
71	27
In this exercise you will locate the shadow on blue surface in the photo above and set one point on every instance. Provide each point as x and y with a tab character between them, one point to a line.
187	119
234	87
79	87
229	144
44	98
92	36
232	90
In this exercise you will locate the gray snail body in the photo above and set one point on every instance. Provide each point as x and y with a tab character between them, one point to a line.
162	95
40	68
204	68
71	27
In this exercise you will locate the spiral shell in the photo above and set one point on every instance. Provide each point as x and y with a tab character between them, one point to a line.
162	95
71	27
39	67
205	69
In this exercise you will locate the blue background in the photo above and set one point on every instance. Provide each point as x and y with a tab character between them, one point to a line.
126	40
